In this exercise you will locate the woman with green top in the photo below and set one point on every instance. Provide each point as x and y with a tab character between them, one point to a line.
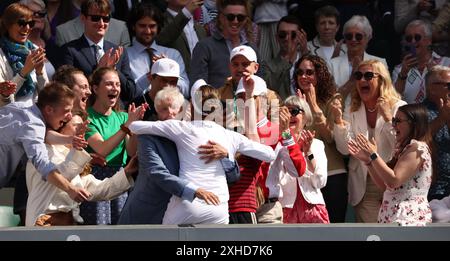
317	86
108	136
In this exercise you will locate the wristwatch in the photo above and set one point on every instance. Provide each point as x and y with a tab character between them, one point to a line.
286	135
310	157
373	156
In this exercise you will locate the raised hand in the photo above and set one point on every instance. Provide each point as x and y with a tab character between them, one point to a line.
364	144
285	118
357	152
78	142
306	138
384	109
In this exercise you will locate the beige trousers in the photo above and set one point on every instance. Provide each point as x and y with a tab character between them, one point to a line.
367	210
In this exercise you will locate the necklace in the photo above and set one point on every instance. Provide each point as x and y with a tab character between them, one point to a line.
371	110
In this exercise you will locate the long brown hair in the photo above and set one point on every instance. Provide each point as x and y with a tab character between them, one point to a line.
419	129
95	79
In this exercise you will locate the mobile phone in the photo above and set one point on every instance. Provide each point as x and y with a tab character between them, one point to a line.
411	49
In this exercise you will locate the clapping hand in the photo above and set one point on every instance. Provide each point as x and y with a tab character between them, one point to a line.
7	88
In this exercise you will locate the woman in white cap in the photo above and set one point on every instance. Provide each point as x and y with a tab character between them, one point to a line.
188	136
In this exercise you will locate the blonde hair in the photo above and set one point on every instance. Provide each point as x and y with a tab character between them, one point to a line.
387	90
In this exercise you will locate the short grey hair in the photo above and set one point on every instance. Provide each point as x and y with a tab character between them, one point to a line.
426	26
361	22
301	103
169	93
434	72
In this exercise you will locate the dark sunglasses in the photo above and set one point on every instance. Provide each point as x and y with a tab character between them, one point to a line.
396	121
283	34
239	17
443	83
23	23
308	72
40	14
295	111
367	75
96	18
409	38
357	36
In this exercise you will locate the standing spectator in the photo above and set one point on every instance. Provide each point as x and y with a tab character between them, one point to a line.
406	179
279	71
212	53
301	165
409	76
92	51
180	31
317	86
146	22
108	136
267	14
116	32
409	10
357	34
438	107
22	134
21	61
373	103
327	25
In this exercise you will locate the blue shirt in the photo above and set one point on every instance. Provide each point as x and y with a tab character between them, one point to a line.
22	131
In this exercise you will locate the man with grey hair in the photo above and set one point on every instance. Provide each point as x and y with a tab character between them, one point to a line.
409	76
437	103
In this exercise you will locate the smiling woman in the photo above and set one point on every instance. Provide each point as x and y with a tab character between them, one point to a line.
21	61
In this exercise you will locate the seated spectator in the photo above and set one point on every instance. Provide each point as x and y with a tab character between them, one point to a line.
21	61
116	33
210	54
327	25
146	24
49	206
357	33
279	71
409	76
92	51
405	179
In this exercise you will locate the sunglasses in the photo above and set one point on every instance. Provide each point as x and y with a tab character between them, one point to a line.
283	34
409	38
296	111
350	36
367	75
443	83
396	121
308	72
23	23
96	18
40	14
232	17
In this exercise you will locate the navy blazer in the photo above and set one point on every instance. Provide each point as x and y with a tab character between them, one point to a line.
157	181
79	54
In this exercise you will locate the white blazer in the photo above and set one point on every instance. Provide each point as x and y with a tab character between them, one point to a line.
310	183
340	67
384	137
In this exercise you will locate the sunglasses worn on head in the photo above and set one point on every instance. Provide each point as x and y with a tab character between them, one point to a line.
232	17
367	75
40	14
96	18
283	34
350	36
295	111
23	23
409	38
308	72
396	121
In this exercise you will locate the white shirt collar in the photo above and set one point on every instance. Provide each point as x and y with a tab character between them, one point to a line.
90	42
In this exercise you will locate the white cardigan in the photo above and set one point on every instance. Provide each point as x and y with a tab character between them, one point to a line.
310	183
384	137
6	73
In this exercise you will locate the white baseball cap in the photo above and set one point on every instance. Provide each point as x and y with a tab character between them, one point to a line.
166	67
245	51
260	86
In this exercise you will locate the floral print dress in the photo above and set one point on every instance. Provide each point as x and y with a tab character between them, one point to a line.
407	205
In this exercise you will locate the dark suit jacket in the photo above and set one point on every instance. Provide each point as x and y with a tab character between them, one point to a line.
156	183
79	54
172	36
